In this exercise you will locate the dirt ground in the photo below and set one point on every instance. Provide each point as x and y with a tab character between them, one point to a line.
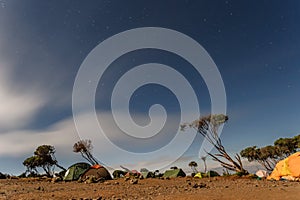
178	188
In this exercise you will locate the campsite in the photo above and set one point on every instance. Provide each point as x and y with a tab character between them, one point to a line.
136	99
174	188
278	176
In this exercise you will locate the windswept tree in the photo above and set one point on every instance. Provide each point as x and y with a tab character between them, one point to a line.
31	165
85	148
193	165
47	153
208	127
43	157
286	146
266	156
269	155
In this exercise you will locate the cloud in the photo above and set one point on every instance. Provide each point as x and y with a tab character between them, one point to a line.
18	107
61	135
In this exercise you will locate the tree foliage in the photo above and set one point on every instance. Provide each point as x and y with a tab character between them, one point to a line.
208	127
43	157
269	155
85	148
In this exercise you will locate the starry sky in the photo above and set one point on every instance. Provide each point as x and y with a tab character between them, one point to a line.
254	44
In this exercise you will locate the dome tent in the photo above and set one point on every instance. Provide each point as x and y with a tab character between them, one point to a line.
97	171
75	171
174	173
289	168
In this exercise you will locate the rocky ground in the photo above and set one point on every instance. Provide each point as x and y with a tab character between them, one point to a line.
178	188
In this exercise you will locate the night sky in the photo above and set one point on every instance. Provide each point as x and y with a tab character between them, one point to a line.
254	44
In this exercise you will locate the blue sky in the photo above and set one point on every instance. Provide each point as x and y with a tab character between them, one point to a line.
254	44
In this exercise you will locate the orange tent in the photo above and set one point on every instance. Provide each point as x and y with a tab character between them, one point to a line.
288	168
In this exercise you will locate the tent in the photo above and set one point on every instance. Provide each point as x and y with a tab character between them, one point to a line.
134	173
148	174
174	173
288	168
119	173
262	174
98	171
212	173
75	171
198	175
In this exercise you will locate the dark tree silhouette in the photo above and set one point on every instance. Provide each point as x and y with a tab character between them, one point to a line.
208	127
85	147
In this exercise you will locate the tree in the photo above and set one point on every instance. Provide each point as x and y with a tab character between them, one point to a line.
31	165
43	157
297	139
267	156
47	153
193	166
203	158
286	146
208	127
85	147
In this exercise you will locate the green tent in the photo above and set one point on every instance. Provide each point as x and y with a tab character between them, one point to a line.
174	173
212	173
75	171
147	174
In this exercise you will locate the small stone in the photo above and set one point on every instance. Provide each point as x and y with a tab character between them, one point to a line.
134	181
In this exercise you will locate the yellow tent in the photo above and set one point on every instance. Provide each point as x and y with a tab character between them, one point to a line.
288	168
198	175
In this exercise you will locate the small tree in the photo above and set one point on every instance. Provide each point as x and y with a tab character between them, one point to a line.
43	157
269	155
208	127
203	158
193	166
286	146
47	153
31	165
85	147
266	156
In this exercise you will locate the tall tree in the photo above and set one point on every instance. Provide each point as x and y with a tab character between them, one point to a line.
208	127
85	147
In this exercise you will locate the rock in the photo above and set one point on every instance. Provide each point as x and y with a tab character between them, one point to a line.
40	188
200	185
134	181
56	179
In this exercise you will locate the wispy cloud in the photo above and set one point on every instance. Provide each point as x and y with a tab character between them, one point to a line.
18	107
